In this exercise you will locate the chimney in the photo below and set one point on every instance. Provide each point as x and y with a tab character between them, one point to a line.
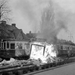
14	25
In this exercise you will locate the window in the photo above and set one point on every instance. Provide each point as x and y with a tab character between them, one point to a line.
7	45
68	48
27	46
12	45
62	47
4	45
19	45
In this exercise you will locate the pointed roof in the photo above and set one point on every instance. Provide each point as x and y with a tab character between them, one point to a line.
11	31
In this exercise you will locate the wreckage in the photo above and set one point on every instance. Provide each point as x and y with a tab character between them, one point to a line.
43	52
43	56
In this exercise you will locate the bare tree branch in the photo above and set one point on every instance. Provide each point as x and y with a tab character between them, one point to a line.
4	10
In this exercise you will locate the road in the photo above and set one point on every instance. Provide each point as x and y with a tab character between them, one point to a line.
65	70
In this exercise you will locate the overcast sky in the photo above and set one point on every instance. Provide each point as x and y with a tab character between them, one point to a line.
26	14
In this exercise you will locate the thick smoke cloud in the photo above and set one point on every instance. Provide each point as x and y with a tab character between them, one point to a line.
52	21
45	16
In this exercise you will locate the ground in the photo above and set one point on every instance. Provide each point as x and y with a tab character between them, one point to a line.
65	70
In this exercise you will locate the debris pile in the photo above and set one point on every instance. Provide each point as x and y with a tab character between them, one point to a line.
13	62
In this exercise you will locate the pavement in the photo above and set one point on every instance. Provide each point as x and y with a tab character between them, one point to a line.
64	70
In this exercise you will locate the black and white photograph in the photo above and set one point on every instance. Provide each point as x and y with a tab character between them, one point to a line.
37	37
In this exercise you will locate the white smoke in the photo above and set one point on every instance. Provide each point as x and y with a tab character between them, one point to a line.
52	22
31	13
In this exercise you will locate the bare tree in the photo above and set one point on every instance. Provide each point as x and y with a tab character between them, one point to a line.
4	10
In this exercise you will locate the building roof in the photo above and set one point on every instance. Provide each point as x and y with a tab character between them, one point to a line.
11	31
